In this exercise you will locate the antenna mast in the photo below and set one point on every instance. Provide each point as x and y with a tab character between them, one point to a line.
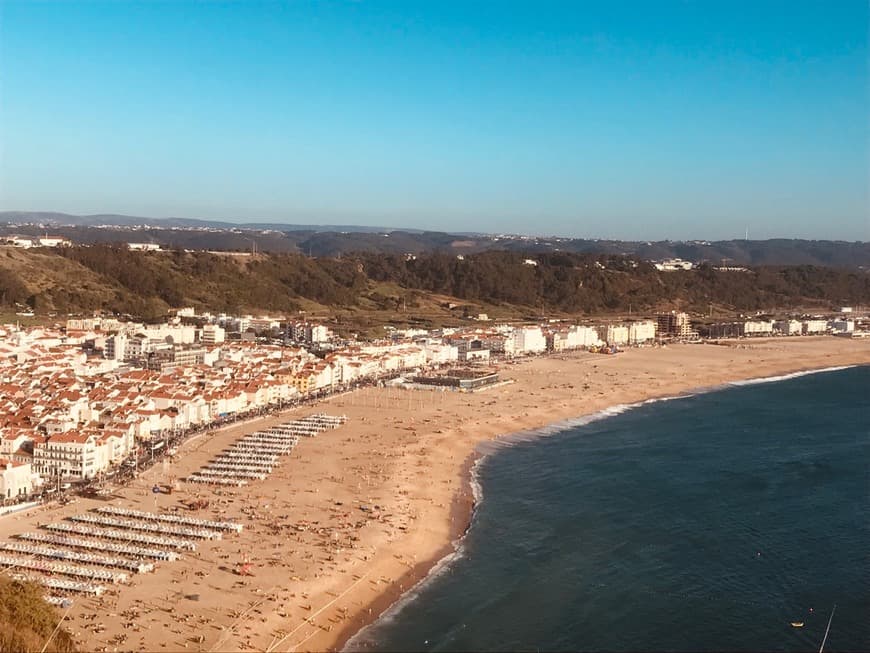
828	629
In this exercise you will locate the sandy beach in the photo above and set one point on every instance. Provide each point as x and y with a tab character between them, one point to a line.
356	516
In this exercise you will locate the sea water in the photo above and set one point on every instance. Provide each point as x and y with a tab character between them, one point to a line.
710	522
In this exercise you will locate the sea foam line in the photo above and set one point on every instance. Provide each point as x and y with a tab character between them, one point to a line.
793	375
527	435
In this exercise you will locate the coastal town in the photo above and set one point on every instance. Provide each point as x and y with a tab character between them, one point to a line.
207	414
389	326
92	400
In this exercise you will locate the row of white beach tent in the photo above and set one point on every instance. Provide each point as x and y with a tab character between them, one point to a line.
250	456
255	456
127	539
149	526
62	584
174	519
100	545
63	568
129	564
122	535
216	479
114	537
60	601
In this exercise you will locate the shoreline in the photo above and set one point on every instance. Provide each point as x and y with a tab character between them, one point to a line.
421	573
461	517
354	519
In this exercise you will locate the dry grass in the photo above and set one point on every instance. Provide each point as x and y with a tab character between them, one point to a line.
55	277
27	621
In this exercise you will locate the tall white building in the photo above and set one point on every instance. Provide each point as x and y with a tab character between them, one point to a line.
788	327
212	334
576	337
116	347
641	331
317	333
136	347
815	326
528	340
614	334
842	326
758	328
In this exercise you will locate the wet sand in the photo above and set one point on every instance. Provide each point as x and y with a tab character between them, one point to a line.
356	516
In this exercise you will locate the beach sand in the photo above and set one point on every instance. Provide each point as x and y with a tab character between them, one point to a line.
356	516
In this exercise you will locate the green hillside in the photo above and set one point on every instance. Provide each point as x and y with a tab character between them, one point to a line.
429	288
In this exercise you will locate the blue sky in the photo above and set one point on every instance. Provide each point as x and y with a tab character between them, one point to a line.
635	120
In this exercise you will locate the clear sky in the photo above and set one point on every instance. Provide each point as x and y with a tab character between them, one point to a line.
634	120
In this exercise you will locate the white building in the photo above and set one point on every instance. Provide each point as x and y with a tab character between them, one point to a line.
815	326
263	324
82	324
583	336
235	324
842	326
144	247
116	347
25	242
672	264
52	241
317	333
16	479
12	444
641	331
758	328
481	355
136	347
788	327
528	340
440	354
614	334
212	334
67	455
179	335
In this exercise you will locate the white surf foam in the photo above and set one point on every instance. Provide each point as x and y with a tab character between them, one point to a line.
528	435
793	375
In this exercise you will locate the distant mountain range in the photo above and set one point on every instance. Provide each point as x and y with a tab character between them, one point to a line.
339	240
114	219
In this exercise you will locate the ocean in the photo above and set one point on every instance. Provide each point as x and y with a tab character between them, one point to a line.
707	522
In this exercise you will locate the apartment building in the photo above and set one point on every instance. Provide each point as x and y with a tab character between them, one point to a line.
67	455
641	331
212	334
674	324
815	326
527	340
758	328
788	327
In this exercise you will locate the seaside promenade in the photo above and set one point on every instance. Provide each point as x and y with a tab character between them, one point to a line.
354	517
